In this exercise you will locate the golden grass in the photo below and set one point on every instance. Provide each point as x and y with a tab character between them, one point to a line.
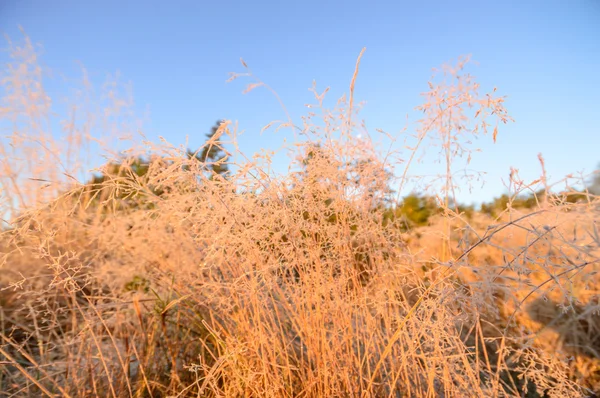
284	286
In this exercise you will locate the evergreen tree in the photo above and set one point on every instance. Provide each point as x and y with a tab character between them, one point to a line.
213	154
128	174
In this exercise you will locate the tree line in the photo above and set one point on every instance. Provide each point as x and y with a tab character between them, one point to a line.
414	210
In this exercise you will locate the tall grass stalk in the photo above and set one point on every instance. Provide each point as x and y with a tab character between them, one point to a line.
189	284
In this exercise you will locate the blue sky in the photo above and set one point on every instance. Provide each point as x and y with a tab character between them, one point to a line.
544	55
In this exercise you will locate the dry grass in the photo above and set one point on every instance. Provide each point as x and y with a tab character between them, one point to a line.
284	286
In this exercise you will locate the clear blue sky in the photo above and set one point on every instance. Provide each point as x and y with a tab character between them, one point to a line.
545	55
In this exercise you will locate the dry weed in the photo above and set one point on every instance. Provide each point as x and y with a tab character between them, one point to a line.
182	283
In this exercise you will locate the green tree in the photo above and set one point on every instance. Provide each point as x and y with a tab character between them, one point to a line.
416	210
122	179
212	153
522	201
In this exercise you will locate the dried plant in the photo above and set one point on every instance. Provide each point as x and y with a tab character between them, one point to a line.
179	282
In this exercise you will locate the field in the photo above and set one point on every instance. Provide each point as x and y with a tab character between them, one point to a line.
172	277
